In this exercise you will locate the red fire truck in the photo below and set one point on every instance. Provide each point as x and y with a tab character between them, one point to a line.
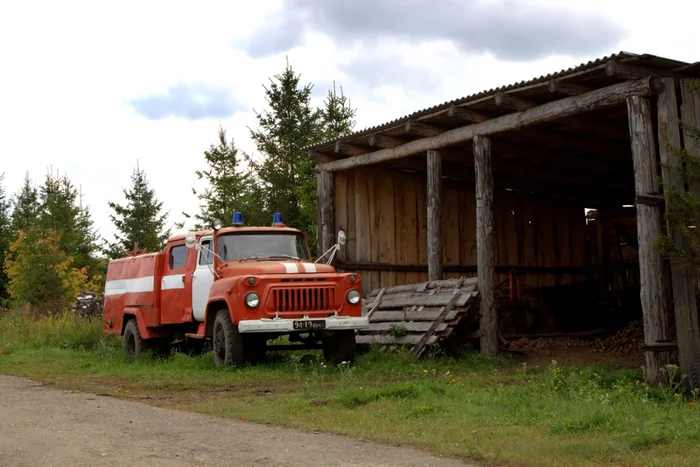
237	287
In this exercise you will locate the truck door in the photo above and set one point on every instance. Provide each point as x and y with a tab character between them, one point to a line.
202	278
173	299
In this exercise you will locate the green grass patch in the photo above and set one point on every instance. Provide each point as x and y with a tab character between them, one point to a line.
484	409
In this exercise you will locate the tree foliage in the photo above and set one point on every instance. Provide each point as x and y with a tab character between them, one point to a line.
228	188
139	221
25	207
683	205
285	177
5	234
41	273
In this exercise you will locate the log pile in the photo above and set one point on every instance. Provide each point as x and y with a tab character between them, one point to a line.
418	315
626	341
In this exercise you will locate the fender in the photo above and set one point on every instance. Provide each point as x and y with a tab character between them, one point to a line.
224	290
146	333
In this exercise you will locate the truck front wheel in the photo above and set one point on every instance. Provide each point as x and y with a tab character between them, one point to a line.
227	341
339	347
132	341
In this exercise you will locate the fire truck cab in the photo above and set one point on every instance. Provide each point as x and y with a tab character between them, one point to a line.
237	287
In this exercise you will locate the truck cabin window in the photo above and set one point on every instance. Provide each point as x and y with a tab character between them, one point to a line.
232	247
206	256
178	254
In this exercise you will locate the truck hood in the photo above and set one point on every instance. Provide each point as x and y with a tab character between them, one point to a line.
256	267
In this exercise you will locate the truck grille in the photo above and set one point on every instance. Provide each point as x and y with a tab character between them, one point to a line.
303	299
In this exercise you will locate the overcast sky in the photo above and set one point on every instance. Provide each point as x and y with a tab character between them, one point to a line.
90	88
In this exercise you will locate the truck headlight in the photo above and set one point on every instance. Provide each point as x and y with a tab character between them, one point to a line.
353	296
252	299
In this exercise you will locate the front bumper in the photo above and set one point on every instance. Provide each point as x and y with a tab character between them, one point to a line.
282	325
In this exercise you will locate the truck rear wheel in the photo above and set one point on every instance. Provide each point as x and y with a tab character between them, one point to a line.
232	348
132	341
339	348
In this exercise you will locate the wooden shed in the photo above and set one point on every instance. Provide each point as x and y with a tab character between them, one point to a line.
549	182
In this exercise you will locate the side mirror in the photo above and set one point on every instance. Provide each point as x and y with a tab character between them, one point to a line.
341	238
190	240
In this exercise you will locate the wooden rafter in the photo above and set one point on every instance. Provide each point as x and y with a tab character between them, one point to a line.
348	149
567	87
377	140
510	101
421	129
599	99
464	114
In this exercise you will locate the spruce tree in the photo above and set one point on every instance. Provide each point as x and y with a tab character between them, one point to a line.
5	235
61	211
25	207
140	221
227	187
289	125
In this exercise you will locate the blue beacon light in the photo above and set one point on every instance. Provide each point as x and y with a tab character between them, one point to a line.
237	218
277	220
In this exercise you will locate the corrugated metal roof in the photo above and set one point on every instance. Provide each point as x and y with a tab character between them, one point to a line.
646	59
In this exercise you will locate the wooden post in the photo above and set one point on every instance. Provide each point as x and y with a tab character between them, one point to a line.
682	277
484	244
434	196
654	307
326	216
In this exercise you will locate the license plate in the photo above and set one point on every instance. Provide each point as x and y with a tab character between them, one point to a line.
307	324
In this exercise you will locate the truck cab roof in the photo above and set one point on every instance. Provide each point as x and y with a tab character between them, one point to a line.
233	229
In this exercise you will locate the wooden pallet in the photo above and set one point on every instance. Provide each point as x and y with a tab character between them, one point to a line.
417	315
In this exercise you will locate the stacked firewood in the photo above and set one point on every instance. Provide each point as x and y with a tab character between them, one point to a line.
88	305
626	341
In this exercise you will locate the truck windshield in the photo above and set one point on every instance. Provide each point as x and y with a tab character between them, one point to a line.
233	247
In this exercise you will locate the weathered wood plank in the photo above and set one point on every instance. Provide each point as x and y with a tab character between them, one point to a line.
391	316
430	333
341	210
326	194
683	277
567	87
484	242
387	240
390	340
435	233
421	299
374	246
654	306
400	225
598	99
410	326
468	284
512	102
412	234
450	227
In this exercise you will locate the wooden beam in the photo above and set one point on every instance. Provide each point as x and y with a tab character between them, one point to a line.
421	129
321	157
594	100
631	71
683	277
348	149
461	113
651	275
503	99
567	87
378	140
434	196
326	217
485	245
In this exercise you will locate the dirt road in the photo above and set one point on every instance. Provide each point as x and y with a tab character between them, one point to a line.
44	426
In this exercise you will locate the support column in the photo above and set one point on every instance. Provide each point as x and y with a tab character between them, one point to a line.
654	307
484	244
326	214
682	276
434	195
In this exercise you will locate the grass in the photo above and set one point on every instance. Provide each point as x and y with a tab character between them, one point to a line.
488	410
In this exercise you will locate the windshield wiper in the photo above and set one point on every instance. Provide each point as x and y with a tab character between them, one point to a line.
285	256
249	257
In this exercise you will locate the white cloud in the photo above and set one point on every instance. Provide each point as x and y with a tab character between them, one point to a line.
69	69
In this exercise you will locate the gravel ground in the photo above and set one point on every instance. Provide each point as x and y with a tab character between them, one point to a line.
44	426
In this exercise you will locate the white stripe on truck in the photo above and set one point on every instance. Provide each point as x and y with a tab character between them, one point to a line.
309	267
122	286
173	282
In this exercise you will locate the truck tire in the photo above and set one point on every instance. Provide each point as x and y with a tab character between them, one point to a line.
227	341
134	345
339	348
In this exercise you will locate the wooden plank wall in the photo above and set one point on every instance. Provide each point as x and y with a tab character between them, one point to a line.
383	213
